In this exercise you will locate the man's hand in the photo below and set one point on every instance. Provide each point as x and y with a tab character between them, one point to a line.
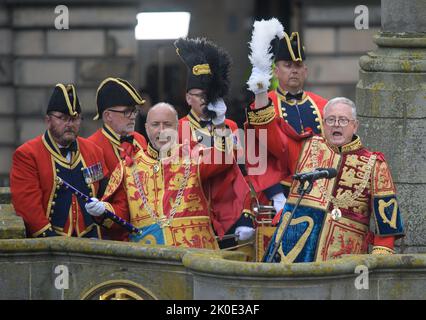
95	208
218	107
244	233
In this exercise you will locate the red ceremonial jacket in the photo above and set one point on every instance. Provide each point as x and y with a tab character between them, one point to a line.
36	195
110	143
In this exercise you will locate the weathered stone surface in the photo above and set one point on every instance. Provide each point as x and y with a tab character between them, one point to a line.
11	226
121	42
88	127
337	70
395	13
412	211
33	101
30	128
78	16
6	71
87	97
44	72
7	130
7	100
320	40
5	159
29	43
76	43
402	142
5	41
5	195
341	15
177	273
93	71
391	95
223	280
353	40
4	15
156	271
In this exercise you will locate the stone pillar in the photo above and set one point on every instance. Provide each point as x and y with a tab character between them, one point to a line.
391	100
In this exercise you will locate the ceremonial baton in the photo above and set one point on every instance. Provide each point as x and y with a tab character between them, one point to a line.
108	214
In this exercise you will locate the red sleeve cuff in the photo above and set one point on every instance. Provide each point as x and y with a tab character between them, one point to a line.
384	241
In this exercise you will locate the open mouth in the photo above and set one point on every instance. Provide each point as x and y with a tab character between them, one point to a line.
337	134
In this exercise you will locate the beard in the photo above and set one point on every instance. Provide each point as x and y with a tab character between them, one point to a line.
63	137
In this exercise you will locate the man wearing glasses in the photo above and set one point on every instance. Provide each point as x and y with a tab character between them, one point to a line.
47	209
117	105
207	80
333	219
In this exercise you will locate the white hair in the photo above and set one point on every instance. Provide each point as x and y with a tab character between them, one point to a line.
343	100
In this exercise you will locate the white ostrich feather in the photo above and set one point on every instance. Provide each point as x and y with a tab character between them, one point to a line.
261	58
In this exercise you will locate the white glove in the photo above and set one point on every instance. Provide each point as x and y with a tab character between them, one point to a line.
218	107
95	208
244	233
279	201
259	80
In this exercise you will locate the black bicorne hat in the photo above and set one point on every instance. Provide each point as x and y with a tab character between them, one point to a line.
116	92
64	99
208	66
289	48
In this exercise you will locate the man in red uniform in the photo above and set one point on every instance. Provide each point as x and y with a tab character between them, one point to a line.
46	207
301	110
117	103
208	78
334	217
161	192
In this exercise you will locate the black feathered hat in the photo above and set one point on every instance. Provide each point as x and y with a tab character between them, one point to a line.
208	66
64	99
289	48
116	92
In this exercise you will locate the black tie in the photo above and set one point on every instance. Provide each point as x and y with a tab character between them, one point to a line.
72	148
297	96
128	139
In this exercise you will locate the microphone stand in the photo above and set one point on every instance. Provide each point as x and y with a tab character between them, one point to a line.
301	190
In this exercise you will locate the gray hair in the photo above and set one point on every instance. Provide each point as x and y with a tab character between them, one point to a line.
343	100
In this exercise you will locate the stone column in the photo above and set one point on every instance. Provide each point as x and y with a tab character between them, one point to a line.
391	100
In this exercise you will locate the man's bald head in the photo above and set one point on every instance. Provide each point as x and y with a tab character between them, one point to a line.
162	109
161	125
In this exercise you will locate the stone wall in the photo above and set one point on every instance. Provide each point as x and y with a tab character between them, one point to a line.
72	268
333	44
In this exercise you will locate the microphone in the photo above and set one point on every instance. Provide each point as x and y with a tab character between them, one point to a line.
318	173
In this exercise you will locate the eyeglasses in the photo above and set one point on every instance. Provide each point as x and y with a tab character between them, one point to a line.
127	113
66	118
343	122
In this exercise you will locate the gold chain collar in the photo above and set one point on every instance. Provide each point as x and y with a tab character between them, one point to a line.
163	221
